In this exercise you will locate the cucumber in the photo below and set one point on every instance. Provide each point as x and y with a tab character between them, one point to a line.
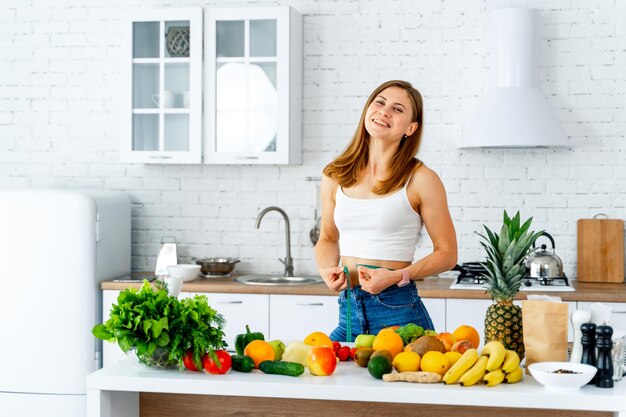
282	368
242	363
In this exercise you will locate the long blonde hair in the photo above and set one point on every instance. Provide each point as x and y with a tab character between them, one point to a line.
347	166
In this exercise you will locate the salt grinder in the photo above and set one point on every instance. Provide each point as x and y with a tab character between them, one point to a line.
604	362
588	341
578	318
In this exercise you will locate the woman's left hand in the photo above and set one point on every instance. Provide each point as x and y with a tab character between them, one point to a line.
374	281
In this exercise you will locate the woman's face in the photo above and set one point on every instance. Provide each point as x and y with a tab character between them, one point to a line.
390	115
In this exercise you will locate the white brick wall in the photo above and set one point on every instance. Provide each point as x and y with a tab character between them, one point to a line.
59	121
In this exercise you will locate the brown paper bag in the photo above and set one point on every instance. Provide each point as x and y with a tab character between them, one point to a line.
545	331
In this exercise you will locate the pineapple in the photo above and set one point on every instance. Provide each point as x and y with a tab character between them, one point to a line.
505	270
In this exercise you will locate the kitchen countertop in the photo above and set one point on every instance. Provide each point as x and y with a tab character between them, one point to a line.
431	287
348	383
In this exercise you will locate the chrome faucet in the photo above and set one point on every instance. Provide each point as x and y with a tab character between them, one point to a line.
288	262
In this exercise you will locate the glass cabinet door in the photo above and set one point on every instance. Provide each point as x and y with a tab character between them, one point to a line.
164	111
252	91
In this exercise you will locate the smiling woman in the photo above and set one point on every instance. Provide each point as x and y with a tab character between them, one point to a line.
375	198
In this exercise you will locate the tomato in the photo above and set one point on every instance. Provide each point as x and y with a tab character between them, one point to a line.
188	361
344	353
352	353
225	362
336	346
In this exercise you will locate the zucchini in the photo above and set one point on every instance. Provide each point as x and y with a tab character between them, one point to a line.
282	368
242	363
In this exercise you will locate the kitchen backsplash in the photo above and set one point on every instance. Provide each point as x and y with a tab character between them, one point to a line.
60	88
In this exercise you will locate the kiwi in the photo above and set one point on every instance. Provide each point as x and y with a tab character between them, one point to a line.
384	353
362	356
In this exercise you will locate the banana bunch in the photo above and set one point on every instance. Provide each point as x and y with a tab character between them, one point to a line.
494	366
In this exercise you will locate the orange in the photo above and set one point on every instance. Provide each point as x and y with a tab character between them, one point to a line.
388	340
468	333
259	351
393	328
318	339
447	339
434	361
453	357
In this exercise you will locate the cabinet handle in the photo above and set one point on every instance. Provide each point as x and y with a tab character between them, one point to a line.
310	304
160	157
247	157
229	302
620	312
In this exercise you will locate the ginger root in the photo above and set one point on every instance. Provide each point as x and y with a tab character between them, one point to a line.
419	377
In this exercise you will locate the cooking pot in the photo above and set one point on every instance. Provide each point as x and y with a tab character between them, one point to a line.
216	266
543	263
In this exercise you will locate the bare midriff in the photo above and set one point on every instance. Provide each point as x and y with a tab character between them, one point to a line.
351	263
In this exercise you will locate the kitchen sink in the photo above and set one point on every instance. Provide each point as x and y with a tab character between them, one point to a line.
277	280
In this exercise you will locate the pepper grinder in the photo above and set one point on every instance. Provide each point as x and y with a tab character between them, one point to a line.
588	342
578	317
604	362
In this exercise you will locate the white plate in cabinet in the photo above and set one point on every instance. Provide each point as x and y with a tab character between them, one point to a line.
239	310
437	310
293	317
253	85
161	104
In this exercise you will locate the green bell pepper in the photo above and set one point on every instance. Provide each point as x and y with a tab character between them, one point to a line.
242	340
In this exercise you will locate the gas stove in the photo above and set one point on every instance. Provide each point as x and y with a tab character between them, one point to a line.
471	277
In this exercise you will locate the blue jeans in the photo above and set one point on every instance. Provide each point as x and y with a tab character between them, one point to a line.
395	306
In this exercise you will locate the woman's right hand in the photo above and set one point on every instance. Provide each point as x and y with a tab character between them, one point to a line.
334	278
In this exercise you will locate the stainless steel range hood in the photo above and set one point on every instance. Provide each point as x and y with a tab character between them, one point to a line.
514	113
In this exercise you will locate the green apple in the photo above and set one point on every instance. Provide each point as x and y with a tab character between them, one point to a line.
279	349
364	340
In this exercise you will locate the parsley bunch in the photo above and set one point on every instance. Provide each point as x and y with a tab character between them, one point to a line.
149	318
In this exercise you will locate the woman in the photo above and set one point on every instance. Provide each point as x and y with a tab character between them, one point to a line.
375	197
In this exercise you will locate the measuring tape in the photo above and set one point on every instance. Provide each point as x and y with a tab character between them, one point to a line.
348	312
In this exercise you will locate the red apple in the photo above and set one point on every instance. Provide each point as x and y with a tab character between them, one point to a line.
322	361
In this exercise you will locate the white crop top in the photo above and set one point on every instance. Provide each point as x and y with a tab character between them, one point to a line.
383	228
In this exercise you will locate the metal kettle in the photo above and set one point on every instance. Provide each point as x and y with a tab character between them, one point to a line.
543	263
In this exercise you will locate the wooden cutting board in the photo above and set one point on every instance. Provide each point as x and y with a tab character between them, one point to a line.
601	250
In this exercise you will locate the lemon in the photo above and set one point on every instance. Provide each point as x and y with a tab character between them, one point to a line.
434	361
453	357
407	362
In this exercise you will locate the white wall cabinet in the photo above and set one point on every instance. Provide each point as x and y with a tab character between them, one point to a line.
437	310
240	310
470	312
253	85
293	317
161	103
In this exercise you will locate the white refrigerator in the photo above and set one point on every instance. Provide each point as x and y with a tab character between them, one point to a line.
55	248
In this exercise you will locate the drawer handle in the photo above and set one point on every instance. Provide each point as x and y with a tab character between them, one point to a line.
310	304
229	302
620	312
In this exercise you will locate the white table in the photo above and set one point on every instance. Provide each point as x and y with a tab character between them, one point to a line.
114	390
